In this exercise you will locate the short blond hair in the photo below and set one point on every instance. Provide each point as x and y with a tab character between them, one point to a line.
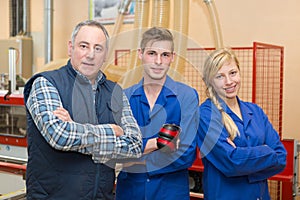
155	34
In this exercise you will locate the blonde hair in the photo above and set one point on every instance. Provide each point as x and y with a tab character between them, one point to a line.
212	65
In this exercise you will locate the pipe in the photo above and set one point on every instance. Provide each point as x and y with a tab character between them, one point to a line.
16	12
26	17
12	18
160	13
48	30
215	23
12	59
181	26
18	17
123	9
141	17
140	22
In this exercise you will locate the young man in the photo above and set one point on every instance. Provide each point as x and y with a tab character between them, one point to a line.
157	100
78	121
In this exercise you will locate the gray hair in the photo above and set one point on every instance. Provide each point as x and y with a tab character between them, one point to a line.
90	23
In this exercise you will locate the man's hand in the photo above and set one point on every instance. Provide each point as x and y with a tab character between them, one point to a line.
167	138
134	163
62	114
118	130
151	145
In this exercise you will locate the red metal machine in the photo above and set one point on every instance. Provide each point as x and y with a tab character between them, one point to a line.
13	143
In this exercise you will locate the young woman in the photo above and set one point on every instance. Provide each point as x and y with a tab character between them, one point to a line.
239	146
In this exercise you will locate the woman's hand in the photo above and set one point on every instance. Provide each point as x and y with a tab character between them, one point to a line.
231	142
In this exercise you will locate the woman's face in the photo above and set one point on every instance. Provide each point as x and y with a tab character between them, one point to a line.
227	81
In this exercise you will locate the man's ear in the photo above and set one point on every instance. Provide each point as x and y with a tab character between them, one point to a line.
173	56
70	48
105	57
140	53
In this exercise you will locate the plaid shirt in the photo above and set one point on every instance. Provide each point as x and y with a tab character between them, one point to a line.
99	141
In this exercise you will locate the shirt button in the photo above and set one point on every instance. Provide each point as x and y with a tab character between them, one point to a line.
148	180
248	137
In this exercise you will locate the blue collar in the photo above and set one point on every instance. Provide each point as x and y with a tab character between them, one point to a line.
169	84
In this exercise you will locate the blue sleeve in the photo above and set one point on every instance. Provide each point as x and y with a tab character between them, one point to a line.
184	157
272	140
239	161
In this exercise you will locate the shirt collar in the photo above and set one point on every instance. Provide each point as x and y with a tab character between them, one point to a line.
245	111
169	87
83	77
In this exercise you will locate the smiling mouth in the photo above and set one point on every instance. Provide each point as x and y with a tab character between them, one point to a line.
89	64
230	89
157	68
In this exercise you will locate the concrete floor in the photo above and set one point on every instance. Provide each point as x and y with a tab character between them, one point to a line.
10	183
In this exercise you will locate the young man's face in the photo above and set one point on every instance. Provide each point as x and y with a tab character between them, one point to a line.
88	52
156	59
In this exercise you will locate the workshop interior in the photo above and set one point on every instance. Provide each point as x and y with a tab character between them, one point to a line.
264	71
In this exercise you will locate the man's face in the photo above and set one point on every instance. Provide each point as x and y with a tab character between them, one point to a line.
88	52
156	59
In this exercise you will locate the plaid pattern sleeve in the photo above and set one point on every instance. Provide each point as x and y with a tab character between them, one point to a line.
128	145
96	140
